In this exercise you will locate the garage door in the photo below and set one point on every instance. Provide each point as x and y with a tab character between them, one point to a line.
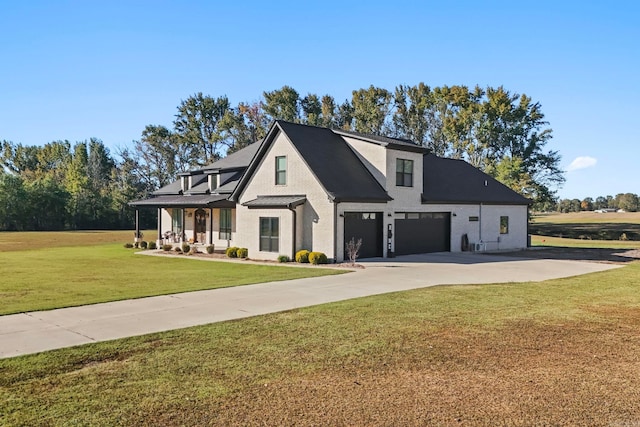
419	233
366	226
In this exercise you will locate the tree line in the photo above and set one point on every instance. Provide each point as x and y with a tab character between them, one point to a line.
60	185
628	202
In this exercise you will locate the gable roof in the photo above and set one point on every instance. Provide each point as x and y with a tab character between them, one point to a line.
456	181
335	166
385	141
236	160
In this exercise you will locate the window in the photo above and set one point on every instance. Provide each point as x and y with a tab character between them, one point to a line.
176	221
404	173
281	170
504	225
269	234
225	224
474	219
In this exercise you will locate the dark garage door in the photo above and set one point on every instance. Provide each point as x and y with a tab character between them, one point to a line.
366	226
420	233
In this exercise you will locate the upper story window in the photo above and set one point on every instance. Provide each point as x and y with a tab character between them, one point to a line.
281	170
404	173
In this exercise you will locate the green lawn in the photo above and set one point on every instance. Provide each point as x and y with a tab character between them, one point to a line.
560	352
54	277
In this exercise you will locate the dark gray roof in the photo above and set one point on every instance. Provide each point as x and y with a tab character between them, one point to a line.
276	201
228	187
456	181
239	159
196	201
335	166
199	184
385	141
174	188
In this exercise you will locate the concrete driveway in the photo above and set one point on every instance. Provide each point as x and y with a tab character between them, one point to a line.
34	332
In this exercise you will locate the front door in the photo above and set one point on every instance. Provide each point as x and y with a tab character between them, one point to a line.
200	229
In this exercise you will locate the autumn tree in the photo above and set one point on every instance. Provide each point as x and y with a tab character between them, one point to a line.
197	127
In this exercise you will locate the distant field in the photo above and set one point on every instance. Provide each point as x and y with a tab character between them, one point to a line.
588	225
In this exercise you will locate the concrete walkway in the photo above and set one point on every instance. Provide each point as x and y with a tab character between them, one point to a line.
34	332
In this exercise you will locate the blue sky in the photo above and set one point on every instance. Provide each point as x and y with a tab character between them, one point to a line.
80	69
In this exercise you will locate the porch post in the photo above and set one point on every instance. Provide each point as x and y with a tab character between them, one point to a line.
211	226
137	236
183	233
159	238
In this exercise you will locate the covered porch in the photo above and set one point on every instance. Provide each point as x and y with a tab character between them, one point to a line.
200	220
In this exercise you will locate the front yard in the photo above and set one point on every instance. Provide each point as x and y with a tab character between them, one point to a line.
561	352
51	270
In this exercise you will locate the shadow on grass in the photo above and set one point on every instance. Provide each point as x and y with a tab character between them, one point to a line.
617	256
593	231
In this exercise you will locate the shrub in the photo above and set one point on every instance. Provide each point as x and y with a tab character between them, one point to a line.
302	256
210	249
143	244
128	245
624	237
242	252
232	252
318	258
167	247
177	249
186	248
283	258
152	245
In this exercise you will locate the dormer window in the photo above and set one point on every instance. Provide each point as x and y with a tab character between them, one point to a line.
213	182
404	173
281	170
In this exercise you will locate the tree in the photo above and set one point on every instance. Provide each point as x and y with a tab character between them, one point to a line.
601	202
46	203
328	107
282	104
159	157
12	202
627	202
344	116
371	108
587	204
244	125
311	110
196	126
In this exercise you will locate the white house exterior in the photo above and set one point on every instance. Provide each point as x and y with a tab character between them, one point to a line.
305	187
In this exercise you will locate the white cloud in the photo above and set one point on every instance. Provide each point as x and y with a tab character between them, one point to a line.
582	162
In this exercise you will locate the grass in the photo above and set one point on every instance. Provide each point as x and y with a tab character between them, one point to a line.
79	271
537	240
588	225
11	241
560	352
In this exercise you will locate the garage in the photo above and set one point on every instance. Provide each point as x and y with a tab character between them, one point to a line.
424	232
366	226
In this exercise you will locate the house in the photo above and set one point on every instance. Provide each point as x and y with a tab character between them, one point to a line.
306	187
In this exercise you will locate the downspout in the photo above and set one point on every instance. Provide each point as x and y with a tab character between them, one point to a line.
294	216
480	224
335	231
